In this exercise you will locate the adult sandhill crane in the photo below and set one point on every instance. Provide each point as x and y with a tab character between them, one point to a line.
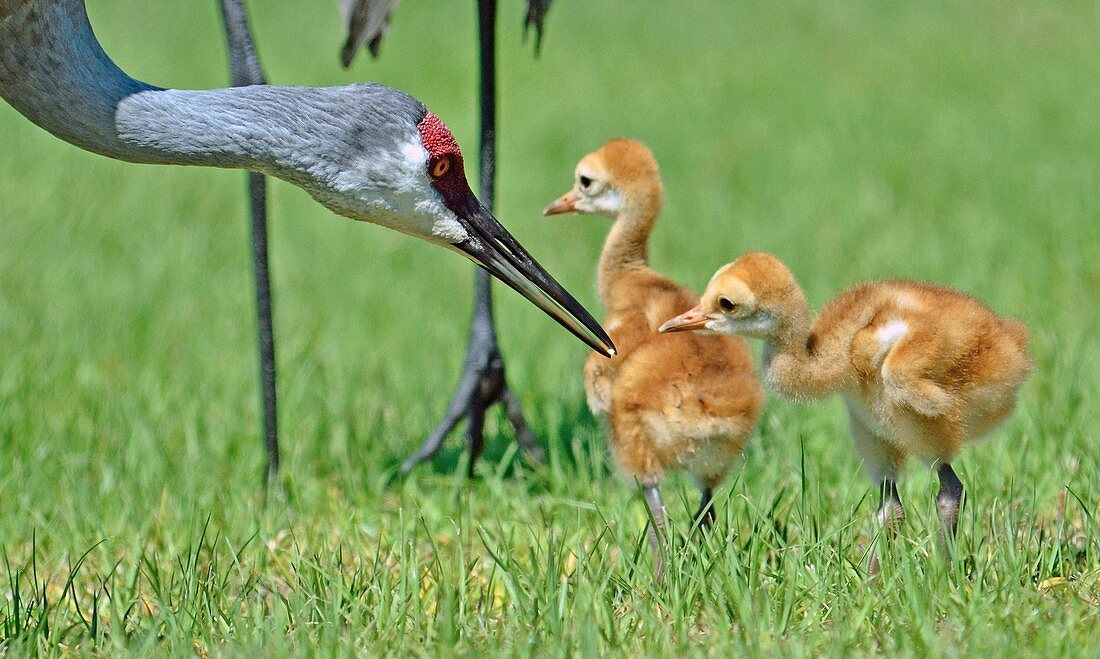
483	382
366	151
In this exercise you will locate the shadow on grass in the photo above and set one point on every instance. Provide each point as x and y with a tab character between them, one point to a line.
563	429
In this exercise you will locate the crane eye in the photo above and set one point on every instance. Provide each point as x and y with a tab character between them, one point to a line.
726	304
441	167
584	181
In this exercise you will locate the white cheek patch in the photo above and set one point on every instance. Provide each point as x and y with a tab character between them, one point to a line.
719	325
610	202
416	156
392	188
756	325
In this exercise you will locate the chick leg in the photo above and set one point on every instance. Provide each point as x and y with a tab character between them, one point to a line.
882	461
949	499
889	514
657	528
704	517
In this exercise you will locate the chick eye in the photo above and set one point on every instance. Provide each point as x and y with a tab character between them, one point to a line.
585	182
441	167
726	304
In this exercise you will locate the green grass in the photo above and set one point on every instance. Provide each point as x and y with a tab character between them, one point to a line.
956	142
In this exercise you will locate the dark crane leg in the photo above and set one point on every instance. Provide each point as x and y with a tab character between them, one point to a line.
245	70
483	382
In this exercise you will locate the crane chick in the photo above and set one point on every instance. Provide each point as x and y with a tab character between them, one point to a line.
924	369
672	402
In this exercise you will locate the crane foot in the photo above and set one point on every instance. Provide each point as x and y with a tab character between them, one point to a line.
483	384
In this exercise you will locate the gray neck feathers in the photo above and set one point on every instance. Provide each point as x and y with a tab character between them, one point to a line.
296	133
53	70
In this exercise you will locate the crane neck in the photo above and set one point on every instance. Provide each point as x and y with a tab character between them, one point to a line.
54	71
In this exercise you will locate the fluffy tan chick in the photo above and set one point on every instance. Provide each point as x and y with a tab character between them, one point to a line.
924	369
672	402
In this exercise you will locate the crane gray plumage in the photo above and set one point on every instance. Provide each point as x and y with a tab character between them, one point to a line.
347	146
305	135
368	21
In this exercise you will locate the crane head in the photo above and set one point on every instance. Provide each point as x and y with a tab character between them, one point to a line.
408	174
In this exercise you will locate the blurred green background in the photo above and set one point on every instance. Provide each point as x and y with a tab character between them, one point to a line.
954	142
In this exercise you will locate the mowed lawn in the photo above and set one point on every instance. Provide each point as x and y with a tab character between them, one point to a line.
954	142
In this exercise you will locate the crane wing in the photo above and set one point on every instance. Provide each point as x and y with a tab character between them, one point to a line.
367	22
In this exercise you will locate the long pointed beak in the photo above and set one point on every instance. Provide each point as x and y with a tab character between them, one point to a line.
692	319
567	203
493	248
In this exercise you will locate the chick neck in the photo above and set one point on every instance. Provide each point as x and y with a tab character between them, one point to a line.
626	249
801	364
